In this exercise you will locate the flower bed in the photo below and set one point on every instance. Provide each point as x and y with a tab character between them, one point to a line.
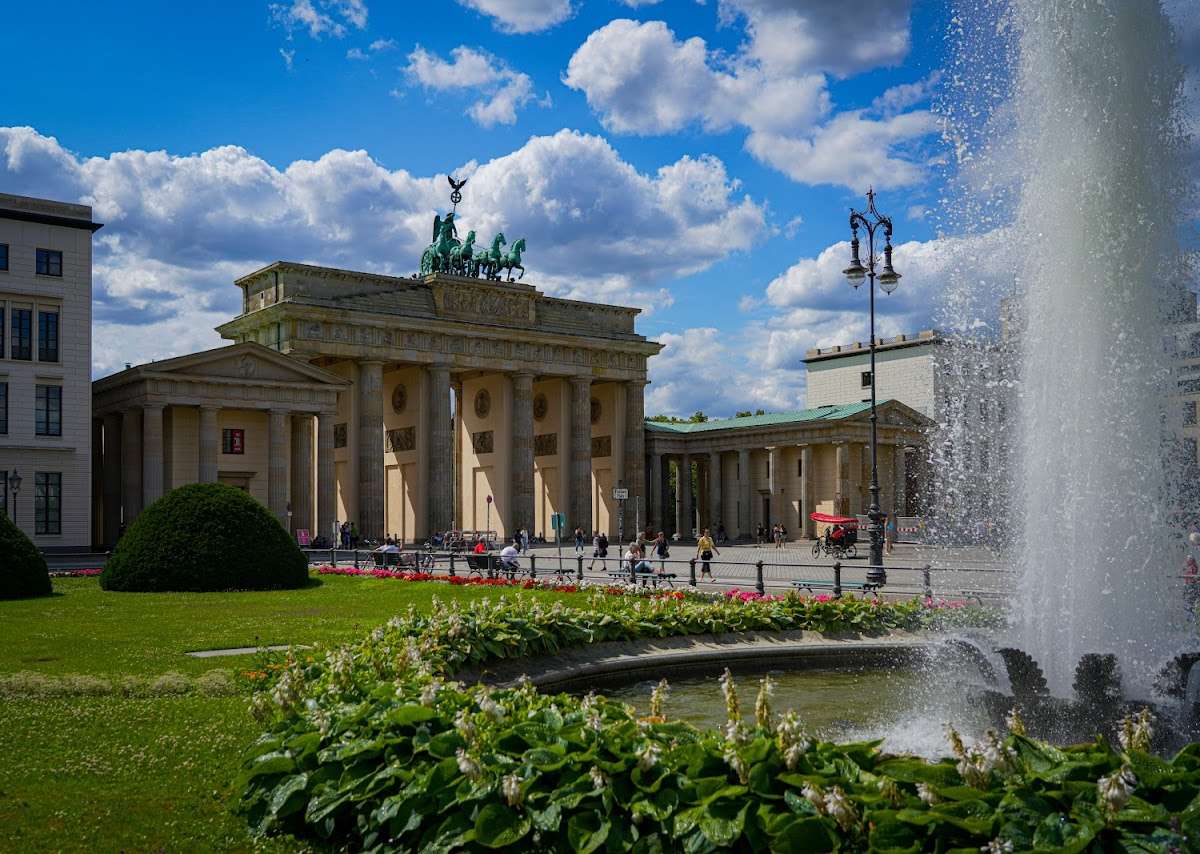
75	573
371	746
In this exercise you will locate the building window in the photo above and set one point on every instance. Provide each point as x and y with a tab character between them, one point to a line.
3	409
49	262
47	502
3	256
48	416
233	441
1189	413
866	379
47	336
22	334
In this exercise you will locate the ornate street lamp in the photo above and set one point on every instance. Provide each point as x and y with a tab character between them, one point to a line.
872	220
14	482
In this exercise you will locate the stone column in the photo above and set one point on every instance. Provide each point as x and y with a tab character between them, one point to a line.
900	489
654	513
209	444
152	453
775	485
635	455
458	516
326	476
277	458
688	504
370	449
441	455
807	492
714	491
302	473
581	454
746	528
131	464
112	478
521	466
96	534
842	495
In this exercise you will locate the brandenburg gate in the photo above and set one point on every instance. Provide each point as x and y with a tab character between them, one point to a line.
471	402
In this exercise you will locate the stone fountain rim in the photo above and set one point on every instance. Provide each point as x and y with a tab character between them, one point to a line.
684	655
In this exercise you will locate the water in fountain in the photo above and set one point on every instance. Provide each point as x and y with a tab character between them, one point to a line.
1071	159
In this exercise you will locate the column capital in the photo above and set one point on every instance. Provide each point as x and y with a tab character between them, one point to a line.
210	407
154	407
580	381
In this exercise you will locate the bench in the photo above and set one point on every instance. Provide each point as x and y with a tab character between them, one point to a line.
482	564
643	577
812	585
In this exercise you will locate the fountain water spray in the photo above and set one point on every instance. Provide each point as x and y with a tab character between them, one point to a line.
1081	166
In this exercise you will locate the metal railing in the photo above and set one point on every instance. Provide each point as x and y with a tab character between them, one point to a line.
761	576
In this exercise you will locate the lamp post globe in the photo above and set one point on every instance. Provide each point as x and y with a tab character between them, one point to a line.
871	221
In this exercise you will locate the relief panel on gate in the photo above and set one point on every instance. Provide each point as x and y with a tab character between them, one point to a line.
601	446
402	439
483	442
545	445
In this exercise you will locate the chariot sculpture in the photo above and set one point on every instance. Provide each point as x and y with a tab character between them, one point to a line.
447	254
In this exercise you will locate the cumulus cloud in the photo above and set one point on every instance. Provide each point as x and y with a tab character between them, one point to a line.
905	95
639	78
179	229
325	17
523	16
822	35
505	90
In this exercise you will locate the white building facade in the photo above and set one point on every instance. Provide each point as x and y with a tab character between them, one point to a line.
45	370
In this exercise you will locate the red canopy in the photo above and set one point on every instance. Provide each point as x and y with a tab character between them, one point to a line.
848	521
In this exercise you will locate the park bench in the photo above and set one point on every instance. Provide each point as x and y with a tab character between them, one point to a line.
643	577
812	585
483	564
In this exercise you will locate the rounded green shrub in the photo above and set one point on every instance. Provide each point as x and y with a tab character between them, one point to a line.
23	570
202	537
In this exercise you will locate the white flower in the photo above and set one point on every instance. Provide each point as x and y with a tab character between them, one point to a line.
839	808
648	756
926	793
657	697
429	692
1014	722
736	763
998	846
1117	788
599	781
464	725
510	788
733	710
762	704
468	766
814	794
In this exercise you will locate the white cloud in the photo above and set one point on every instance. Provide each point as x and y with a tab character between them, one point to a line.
523	16
179	229
506	90
792	226
356	53
382	45
789	37
917	212
640	79
634	4
289	57
325	17
905	95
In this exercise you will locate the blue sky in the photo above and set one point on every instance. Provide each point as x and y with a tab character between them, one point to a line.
695	159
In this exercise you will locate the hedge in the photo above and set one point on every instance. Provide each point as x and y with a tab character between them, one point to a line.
23	571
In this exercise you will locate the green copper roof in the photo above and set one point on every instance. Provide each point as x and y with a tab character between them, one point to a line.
821	413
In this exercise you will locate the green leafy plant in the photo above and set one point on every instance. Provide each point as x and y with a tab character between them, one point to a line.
23	571
204	537
374	746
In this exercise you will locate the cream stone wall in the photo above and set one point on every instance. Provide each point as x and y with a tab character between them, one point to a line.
488	473
346	458
70	295
254	462
181	446
550	472
607	471
906	374
405	485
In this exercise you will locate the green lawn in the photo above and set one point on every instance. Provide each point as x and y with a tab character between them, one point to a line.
98	771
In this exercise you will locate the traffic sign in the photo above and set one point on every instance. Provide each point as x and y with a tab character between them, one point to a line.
558	521
620	493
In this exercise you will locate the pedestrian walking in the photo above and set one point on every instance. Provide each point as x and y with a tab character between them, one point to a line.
705	549
599	550
661	551
579	542
889	533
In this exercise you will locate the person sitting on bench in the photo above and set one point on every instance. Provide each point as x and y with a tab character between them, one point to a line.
510	560
635	560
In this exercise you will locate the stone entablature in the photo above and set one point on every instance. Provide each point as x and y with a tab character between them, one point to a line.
925	336
436	297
